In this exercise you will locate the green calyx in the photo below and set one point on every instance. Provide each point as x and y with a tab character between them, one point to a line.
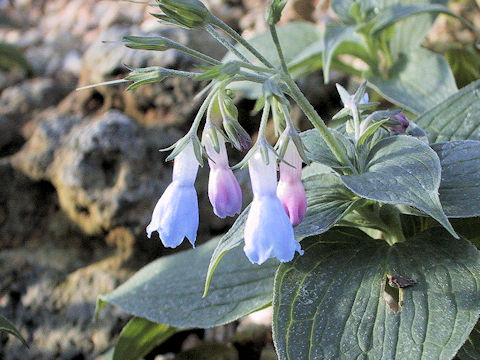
189	13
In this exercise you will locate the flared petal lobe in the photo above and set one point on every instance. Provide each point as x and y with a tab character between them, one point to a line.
290	190
268	231
223	189
176	214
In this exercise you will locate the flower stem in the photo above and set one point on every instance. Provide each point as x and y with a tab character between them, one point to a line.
235	36
316	120
276	41
305	105
212	31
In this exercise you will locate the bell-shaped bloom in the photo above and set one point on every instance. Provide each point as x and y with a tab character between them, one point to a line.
176	214
223	189
268	231
290	189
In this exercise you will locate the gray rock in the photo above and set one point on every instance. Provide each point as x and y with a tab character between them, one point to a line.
166	103
51	295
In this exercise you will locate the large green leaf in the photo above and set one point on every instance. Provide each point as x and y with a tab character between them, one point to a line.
471	349
169	290
8	327
319	151
420	81
328	200
342	9
465	64
139	337
410	32
456	118
460	186
294	38
401	170
330	303
393	14
334	35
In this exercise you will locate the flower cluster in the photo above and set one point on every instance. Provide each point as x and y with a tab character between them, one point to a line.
273	212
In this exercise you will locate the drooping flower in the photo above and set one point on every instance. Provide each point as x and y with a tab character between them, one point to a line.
268	231
398	123
290	190
223	189
176	214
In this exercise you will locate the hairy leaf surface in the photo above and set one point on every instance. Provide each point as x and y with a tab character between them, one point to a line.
169	290
330	302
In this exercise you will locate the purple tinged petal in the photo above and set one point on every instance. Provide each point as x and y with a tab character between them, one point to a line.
223	189
224	192
176	214
290	190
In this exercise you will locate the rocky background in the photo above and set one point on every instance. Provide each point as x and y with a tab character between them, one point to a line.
81	172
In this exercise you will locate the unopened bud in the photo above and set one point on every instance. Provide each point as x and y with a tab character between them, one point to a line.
189	13
274	11
398	123
237	134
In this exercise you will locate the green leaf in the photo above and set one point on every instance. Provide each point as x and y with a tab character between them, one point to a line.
460	185
8	327
471	349
12	57
139	337
330	303
469	228
420	81
334	35
456	118
328	200
410	32
342	9
169	290
401	170
294	38
318	150
391	15
465	64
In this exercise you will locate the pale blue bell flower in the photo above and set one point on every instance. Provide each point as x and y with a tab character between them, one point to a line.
176	214
268	230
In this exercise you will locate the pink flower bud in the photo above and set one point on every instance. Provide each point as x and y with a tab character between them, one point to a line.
399	123
290	189
223	189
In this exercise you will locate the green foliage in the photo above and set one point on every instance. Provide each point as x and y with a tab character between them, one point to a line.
419	81
465	64
401	170
331	303
460	187
139	337
456	118
8	327
471	349
169	290
297	39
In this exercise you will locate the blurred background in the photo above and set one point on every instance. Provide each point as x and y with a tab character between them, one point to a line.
80	171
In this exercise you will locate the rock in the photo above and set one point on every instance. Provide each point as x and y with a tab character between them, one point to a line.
20	103
105	174
53	302
250	340
166	103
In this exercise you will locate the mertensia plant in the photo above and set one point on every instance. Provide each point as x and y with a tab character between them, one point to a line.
369	251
